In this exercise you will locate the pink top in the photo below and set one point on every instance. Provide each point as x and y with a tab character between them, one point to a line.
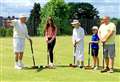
49	33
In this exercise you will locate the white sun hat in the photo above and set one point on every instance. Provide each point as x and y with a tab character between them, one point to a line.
94	28
22	16
75	22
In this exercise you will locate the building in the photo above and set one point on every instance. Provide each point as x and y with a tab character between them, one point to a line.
5	21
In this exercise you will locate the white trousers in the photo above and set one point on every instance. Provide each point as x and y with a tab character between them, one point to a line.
18	44
79	52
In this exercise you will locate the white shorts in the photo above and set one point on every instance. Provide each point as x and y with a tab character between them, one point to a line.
18	44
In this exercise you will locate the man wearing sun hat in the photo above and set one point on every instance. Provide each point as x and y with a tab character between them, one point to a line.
20	32
78	42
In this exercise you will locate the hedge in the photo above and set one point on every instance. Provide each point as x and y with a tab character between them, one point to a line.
6	32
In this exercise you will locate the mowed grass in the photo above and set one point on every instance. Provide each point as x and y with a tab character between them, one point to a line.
63	56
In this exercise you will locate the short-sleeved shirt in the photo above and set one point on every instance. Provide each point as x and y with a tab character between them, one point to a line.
95	38
50	32
104	29
20	30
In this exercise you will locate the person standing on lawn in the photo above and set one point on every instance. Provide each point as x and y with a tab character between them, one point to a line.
78	42
20	32
50	37
107	33
95	47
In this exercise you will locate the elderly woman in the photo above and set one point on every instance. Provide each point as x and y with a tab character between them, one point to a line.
78	42
19	34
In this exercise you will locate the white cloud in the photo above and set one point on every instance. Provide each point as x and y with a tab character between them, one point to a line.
16	7
17	2
14	1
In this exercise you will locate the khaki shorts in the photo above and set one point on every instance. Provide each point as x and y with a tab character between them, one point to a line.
109	51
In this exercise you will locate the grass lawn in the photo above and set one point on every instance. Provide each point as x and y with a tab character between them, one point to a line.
63	56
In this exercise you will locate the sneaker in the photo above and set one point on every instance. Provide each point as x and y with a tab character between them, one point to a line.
51	66
96	68
20	64
111	70
105	70
17	67
93	67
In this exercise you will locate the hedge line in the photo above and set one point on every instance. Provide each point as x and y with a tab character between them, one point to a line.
6	32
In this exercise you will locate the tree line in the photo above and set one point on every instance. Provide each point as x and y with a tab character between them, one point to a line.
63	14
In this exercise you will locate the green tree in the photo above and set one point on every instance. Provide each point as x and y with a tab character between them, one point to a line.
117	23
82	10
86	13
64	13
34	20
118	27
59	11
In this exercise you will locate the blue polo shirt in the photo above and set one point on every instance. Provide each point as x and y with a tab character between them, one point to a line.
95	38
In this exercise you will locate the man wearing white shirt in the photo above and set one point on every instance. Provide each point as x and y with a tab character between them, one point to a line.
20	32
78	42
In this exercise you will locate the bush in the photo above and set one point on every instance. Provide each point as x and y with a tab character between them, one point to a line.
2	32
6	32
9	32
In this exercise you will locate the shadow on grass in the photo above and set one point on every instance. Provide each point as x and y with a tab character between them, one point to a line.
117	70
39	69
62	66
30	68
46	67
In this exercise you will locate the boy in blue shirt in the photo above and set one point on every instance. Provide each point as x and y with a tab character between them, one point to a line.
95	47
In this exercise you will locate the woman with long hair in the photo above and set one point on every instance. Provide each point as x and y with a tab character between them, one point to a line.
50	37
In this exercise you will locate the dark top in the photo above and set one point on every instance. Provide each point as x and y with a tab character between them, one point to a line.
95	38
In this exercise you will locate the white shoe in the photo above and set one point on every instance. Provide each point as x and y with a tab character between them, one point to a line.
78	63
51	64
17	67
96	68
20	64
93	66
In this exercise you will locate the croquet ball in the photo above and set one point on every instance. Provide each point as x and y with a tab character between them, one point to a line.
70	64
41	66
44	66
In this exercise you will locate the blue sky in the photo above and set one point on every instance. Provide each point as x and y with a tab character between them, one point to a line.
18	7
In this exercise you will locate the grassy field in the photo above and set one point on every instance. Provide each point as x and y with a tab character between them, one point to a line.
63	56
